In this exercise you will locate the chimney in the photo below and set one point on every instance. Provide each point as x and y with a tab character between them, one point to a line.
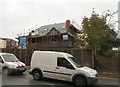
68	23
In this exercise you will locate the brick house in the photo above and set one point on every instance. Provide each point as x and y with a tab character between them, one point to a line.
7	43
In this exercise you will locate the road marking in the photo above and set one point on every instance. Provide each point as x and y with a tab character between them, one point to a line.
48	83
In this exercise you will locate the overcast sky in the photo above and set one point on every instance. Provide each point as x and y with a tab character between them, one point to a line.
19	16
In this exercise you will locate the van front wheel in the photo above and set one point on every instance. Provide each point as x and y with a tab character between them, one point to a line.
37	75
80	81
5	71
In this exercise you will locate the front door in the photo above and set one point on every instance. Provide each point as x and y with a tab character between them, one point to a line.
64	69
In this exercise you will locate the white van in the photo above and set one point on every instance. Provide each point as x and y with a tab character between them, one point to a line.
10	64
61	66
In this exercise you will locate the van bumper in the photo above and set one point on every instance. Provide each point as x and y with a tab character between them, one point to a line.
91	80
16	70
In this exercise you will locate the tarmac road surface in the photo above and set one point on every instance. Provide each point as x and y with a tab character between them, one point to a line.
27	80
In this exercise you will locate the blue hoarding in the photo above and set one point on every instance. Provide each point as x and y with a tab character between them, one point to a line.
23	42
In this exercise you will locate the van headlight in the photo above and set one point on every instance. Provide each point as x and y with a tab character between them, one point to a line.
93	75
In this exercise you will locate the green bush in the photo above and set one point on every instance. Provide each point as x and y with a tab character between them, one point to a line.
111	53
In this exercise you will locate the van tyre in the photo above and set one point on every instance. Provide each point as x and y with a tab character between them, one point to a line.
21	72
5	71
80	81
37	75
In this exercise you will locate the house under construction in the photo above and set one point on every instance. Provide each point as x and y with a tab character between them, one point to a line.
60	35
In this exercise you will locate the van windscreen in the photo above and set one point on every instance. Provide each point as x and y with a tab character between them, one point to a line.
74	62
9	58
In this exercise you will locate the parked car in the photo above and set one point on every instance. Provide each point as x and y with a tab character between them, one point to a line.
61	66
9	64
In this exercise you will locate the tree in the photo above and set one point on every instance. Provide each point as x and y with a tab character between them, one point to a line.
96	34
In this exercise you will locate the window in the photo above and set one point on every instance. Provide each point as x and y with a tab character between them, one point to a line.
33	40
62	62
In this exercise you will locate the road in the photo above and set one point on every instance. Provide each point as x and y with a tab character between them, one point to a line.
27	80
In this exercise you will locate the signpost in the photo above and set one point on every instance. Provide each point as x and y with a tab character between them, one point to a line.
23	45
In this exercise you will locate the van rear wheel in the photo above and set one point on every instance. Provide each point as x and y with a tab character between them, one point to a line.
80	81
37	75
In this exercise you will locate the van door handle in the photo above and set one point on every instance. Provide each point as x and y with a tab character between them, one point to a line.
57	67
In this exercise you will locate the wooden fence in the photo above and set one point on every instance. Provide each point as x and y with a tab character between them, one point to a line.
83	56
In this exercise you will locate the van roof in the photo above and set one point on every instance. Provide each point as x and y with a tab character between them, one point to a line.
62	53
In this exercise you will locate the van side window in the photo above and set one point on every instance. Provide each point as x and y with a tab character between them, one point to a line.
1	59
63	63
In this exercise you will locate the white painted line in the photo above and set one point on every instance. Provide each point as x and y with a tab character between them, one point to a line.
48	83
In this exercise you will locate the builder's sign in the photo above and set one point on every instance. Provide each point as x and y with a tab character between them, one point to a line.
65	37
22	42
